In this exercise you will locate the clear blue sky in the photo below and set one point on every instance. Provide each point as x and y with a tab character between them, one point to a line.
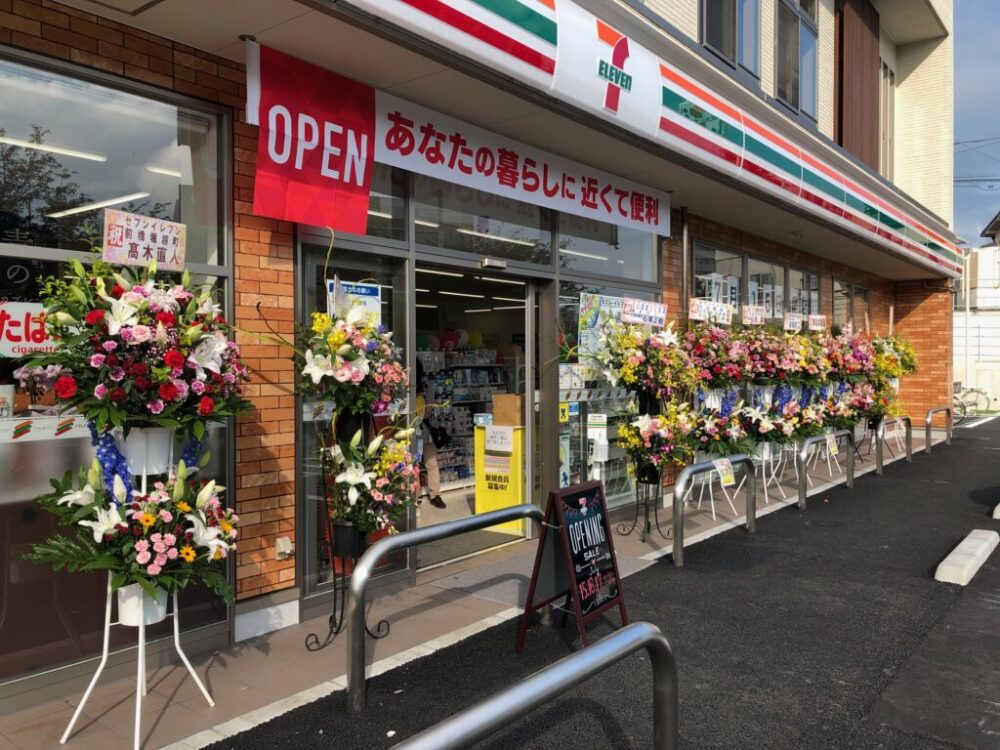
977	114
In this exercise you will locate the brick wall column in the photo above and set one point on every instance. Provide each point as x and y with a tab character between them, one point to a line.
924	312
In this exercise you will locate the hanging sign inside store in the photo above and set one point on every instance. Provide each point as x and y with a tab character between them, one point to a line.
753	315
793	321
137	240
817	322
38	429
22	329
706	309
499	439
597	427
321	133
643	312
575	560
367	296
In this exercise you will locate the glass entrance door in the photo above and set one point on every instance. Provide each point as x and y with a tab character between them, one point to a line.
471	375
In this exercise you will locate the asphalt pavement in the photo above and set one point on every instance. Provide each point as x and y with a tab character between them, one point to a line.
825	629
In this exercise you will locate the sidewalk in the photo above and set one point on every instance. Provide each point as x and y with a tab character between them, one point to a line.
264	677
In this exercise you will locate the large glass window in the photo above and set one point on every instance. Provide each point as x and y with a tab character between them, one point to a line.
386	209
862	308
718	275
803	292
590	246
460	218
68	149
732	29
766	286
796	55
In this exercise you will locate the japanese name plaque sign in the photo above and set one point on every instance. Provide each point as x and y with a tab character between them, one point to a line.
643	312
754	315
137	240
575	560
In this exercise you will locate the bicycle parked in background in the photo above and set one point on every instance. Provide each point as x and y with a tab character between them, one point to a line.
969	402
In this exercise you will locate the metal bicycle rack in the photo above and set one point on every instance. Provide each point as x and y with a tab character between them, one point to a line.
497	712
880	440
681	485
949	425
386	546
804	455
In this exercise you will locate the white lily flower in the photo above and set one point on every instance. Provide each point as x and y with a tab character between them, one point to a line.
83	496
206	492
375	444
107	519
355	476
203	535
208	354
642	423
122	314
357	315
120	491
318	366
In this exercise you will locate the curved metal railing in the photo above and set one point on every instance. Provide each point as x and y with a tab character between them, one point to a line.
365	565
880	440
949	425
497	712
803	456
681	485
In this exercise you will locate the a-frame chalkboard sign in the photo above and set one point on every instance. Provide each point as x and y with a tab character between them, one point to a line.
575	560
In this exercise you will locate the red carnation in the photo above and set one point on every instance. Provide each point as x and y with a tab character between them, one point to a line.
167	318
142	383
137	368
65	386
168	392
117	291
173	359
206	406
94	317
118	394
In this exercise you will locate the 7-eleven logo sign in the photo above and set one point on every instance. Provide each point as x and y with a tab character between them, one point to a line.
613	70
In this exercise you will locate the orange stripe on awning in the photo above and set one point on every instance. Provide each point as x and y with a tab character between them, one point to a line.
550	4
698	91
607	34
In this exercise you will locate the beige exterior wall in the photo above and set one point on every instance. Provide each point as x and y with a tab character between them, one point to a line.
826	89
681	13
925	122
768	37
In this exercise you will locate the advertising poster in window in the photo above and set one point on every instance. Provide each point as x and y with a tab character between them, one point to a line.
595	311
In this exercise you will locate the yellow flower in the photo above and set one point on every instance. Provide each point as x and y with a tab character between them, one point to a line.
227	528
218	554
336	339
147	520
187	553
321	321
183	507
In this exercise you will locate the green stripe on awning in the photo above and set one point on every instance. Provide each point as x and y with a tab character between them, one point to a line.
521	15
823	185
701	116
775	158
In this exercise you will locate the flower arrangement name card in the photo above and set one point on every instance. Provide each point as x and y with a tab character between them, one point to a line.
137	240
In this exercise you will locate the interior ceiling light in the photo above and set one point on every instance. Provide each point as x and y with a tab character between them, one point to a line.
508	299
485	236
583	255
49	148
430	307
464	294
480	310
164	171
423	290
441	273
495	280
425	223
509	307
379	214
99	204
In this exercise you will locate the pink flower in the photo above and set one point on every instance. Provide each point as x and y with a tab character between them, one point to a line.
157	537
141	334
161	560
100	390
182	389
154	569
169	539
141	546
155	407
198	387
357	376
126	334
166	516
172	553
159	547
109	346
117	374
97	360
143	557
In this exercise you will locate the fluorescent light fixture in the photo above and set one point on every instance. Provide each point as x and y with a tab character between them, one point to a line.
423	290
49	148
464	294
425	223
164	171
571	299
429	307
485	236
508	299
578	254
441	273
500	281
508	307
379	214
99	204
480	309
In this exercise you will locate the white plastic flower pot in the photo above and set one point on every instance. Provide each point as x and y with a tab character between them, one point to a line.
149	450
135	606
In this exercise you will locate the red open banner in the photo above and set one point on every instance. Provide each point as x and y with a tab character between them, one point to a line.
316	147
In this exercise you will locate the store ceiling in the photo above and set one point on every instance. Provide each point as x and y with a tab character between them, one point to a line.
313	35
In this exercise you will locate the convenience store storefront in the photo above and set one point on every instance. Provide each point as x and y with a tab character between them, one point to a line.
448	256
